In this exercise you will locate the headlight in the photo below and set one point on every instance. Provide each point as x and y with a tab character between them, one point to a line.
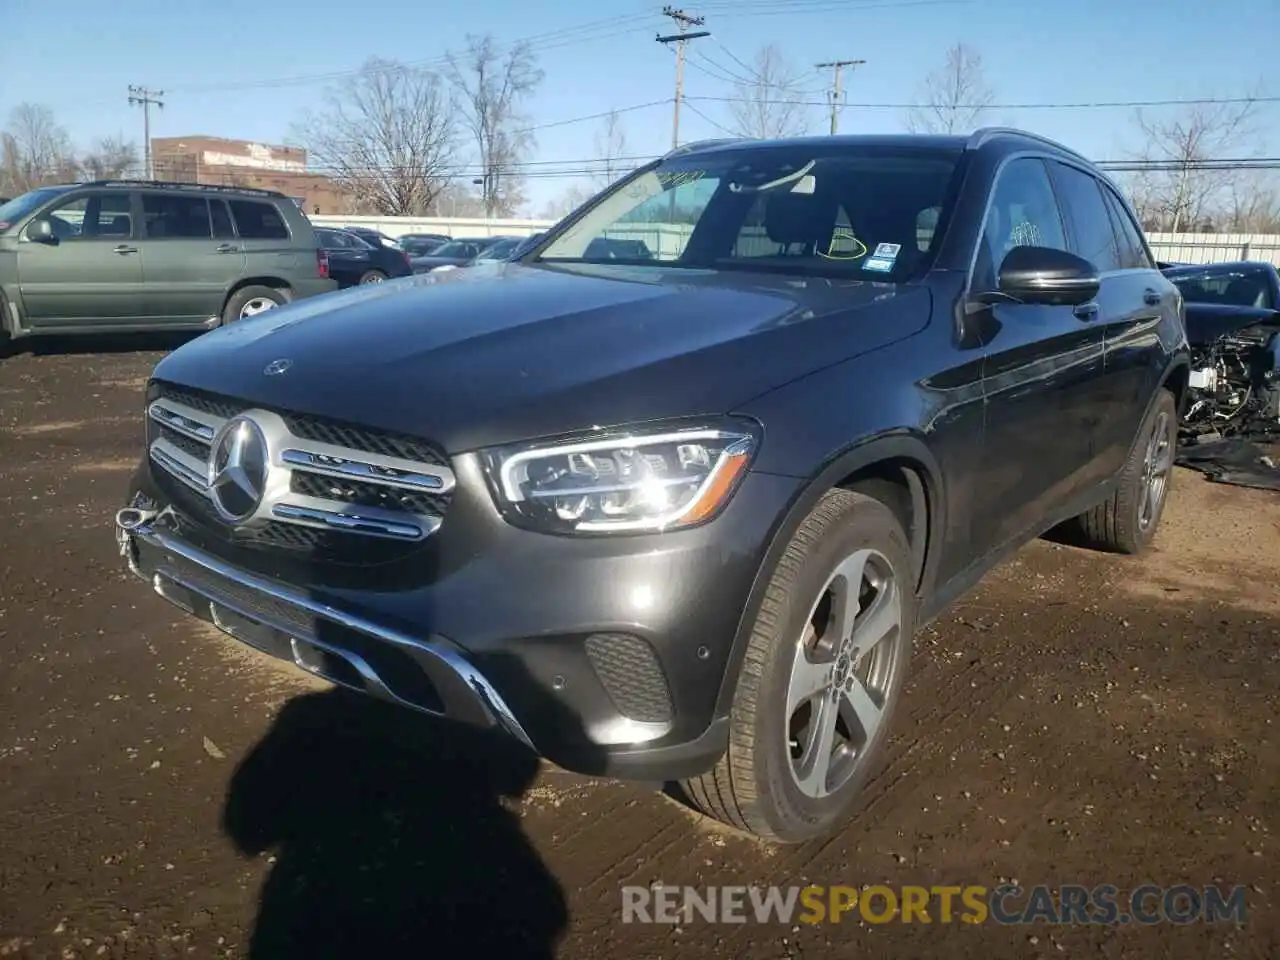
624	482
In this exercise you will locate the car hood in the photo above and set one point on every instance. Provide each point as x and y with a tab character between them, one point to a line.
1207	322
507	352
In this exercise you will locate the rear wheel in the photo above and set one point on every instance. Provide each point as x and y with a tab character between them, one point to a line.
373	276
1127	521
824	670
252	300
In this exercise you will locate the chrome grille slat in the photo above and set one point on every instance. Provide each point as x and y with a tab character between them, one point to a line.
368	489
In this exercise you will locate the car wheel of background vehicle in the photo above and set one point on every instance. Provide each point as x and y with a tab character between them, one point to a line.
822	675
1127	520
251	301
373	276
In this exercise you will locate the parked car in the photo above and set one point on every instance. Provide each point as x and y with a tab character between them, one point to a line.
126	255
353	261
422	244
499	251
680	517
1233	326
374	237
455	253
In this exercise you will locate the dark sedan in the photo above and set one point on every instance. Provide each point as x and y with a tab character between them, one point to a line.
455	253
422	244
353	260
1244	283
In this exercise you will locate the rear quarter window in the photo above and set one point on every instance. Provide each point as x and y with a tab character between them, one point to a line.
258	221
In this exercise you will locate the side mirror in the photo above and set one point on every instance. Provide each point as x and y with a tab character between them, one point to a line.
41	231
1047	276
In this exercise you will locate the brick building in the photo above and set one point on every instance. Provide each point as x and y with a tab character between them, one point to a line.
216	160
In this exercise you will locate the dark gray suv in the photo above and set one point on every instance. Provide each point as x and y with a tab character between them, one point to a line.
123	255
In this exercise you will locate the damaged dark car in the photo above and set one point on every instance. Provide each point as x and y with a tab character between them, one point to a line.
1232	411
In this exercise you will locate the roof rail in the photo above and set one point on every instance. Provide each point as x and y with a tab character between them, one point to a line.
985	135
180	185
701	145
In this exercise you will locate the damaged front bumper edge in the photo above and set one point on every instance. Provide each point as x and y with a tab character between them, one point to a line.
431	676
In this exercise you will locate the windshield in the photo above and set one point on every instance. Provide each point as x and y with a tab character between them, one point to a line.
18	208
499	250
459	249
1232	287
867	213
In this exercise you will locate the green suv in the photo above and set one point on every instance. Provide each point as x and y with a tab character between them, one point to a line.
126	255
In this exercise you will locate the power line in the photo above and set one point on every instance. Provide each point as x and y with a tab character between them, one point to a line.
740	11
838	67
683	22
719	126
1083	105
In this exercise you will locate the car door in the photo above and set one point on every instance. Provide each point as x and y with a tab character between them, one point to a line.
190	256
1041	370
1137	300
90	274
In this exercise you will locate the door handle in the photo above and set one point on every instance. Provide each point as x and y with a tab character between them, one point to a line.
125	248
227	248
1151	298
1086	312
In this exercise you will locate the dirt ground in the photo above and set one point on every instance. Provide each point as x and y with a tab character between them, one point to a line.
1078	719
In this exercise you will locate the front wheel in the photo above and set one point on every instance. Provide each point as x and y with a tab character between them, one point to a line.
824	669
372	276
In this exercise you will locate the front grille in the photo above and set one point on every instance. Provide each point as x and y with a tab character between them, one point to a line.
330	486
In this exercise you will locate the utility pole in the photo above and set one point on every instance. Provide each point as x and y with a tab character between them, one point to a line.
684	21
835	94
142	97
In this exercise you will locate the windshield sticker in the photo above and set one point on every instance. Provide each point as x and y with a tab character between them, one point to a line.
878	264
888	250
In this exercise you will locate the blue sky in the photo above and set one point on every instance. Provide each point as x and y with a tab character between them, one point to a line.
248	68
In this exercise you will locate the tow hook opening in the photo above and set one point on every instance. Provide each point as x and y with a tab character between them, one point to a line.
130	518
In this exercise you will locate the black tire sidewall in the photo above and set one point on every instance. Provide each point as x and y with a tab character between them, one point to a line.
231	314
364	277
867	524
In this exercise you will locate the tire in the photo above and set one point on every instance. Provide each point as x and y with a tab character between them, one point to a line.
1126	521
372	276
759	785
251	300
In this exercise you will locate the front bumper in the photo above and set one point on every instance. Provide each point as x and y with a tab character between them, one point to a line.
607	655
320	639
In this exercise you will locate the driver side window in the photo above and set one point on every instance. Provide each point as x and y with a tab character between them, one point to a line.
1023	213
97	216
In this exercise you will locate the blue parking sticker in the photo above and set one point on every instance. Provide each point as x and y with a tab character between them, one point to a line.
878	264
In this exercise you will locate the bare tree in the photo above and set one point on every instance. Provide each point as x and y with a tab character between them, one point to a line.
493	87
1254	206
387	138
111	159
768	105
611	148
570	200
1178	192
954	97
34	150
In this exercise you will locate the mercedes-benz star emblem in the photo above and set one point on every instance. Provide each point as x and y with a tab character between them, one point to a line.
238	469
277	367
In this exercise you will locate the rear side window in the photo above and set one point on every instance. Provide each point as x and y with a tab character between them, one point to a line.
1094	237
258	221
175	217
1133	255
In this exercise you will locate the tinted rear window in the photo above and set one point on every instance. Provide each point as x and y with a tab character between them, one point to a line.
258	221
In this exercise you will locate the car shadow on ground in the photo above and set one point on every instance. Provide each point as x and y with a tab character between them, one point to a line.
394	835
49	346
